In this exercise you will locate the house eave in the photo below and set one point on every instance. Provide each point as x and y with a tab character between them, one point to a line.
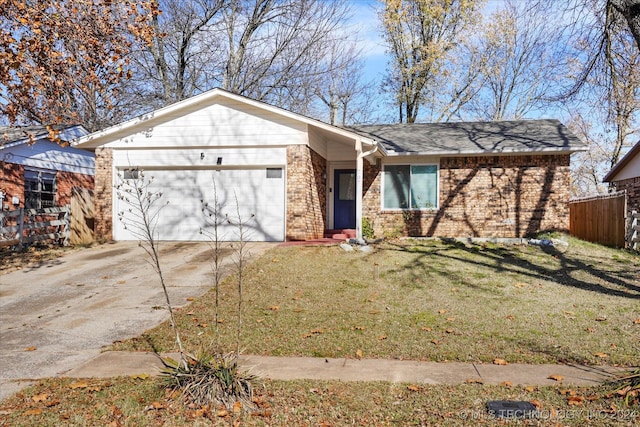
44	136
617	168
463	153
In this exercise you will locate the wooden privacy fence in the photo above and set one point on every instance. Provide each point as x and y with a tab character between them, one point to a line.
599	219
24	226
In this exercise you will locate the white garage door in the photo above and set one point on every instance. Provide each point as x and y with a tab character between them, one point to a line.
260	202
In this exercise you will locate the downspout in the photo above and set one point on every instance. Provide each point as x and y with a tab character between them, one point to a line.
359	184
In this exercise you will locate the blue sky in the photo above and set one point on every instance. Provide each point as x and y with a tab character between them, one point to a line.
365	21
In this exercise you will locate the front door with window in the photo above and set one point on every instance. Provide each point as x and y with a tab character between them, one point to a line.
344	198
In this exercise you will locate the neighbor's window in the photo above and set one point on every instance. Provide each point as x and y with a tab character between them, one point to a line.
410	187
39	189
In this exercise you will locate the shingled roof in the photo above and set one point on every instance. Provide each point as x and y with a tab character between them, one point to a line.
11	135
521	136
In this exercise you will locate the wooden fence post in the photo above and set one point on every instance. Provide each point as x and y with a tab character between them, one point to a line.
635	231
64	228
20	220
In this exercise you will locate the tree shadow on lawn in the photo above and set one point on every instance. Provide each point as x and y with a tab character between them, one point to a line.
504	260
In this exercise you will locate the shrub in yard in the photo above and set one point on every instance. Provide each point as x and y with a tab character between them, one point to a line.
627	386
367	228
211	380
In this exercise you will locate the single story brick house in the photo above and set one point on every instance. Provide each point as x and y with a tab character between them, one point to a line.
39	168
300	177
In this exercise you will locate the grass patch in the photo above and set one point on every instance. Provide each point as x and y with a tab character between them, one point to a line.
145	402
428	300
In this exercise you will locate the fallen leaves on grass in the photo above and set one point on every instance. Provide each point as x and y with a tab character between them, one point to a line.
575	400
506	384
498	361
142	376
312	333
155	406
601	355
474	381
274	307
413	387
78	384
537	404
359	354
40	397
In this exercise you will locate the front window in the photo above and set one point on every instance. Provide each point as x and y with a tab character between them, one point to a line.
39	189
410	187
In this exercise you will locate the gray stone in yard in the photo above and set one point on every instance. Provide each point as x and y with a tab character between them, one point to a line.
346	247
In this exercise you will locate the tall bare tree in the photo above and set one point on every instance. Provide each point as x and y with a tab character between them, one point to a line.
420	34
269	50
630	10
176	65
341	87
519	66
604	100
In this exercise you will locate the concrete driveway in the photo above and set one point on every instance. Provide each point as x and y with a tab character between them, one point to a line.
60	313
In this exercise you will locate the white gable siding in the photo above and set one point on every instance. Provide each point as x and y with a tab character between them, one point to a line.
49	155
630	170
222	125
317	142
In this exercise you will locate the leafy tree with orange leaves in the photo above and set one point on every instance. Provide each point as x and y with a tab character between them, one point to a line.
65	61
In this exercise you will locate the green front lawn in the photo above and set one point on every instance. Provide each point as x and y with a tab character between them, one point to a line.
144	402
426	300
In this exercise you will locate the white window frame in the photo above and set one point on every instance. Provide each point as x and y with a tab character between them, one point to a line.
382	187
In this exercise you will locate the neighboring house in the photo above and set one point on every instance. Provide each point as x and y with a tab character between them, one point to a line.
301	177
39	168
625	176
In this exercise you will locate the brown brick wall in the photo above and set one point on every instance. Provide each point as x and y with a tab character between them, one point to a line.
492	196
103	194
632	187
306	193
66	181
12	183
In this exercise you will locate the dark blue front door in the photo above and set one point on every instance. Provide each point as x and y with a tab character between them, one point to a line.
344	198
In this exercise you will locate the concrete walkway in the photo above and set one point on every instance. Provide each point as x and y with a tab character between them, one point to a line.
111	364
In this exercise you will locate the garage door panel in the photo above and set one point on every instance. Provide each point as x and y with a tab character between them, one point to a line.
258	200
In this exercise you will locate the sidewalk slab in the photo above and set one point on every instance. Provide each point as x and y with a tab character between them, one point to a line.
112	364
